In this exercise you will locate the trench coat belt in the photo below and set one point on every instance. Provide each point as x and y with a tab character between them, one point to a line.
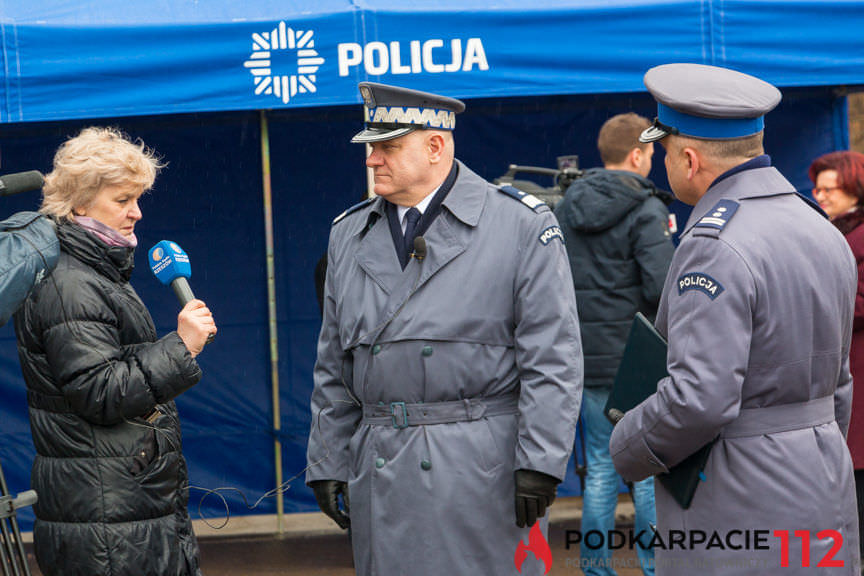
781	418
402	415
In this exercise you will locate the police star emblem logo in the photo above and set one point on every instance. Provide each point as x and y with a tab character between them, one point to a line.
273	46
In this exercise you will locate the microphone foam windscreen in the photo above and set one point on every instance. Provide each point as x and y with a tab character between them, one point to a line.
21	182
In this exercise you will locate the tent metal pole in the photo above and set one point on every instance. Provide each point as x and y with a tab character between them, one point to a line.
370	173
370	176
271	313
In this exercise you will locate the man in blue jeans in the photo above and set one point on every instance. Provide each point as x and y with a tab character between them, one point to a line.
616	227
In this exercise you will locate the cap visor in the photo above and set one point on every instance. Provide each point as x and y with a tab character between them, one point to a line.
381	134
652	134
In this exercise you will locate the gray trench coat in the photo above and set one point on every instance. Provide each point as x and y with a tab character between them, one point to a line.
487	322
757	308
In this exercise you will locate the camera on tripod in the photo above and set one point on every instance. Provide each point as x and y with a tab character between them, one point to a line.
562	177
13	559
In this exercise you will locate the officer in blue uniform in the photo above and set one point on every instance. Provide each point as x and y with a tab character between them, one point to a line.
449	370
757	309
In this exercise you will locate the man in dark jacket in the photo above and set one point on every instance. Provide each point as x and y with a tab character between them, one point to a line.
616	227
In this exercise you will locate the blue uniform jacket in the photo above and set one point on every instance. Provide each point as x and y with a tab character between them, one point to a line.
757	309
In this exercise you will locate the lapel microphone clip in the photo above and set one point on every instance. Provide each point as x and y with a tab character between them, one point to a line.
419	248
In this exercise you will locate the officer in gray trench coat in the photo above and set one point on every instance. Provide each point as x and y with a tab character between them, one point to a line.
449	370
757	309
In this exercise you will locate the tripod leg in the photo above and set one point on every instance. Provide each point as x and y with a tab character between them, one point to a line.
581	469
19	546
8	552
8	543
5	562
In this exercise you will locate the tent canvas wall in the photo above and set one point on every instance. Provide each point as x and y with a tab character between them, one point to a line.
176	76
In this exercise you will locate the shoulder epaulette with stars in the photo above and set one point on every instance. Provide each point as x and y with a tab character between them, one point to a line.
527	199
353	209
716	218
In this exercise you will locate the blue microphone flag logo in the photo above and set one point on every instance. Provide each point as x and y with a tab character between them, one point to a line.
169	262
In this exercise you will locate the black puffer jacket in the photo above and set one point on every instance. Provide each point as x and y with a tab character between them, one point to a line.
109	483
616	228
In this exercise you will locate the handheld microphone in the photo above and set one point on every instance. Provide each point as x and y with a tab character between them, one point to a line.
21	182
419	248
170	264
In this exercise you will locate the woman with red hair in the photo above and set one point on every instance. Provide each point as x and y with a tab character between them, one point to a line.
839	190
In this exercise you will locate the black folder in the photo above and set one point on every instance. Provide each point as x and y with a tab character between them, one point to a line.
642	366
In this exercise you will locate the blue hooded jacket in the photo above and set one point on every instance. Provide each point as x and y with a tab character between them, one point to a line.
28	250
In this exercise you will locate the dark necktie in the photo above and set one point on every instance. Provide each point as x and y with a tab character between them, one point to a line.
412	217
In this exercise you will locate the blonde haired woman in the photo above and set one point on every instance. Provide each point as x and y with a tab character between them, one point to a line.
109	470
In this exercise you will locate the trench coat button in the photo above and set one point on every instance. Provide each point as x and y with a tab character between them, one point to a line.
426	465
427	350
376	348
379	462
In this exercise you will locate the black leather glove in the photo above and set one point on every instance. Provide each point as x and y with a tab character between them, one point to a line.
535	491
327	494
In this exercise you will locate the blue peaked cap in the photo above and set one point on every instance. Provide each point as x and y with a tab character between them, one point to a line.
707	102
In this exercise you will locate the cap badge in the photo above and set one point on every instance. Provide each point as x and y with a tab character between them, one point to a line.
368	99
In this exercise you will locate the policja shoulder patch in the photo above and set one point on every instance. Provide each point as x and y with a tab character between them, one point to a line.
353	209
550	234
699	281
527	199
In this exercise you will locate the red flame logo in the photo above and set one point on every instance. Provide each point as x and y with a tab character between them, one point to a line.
538	545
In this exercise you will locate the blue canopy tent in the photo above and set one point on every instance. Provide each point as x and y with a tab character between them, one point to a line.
252	105
111	58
